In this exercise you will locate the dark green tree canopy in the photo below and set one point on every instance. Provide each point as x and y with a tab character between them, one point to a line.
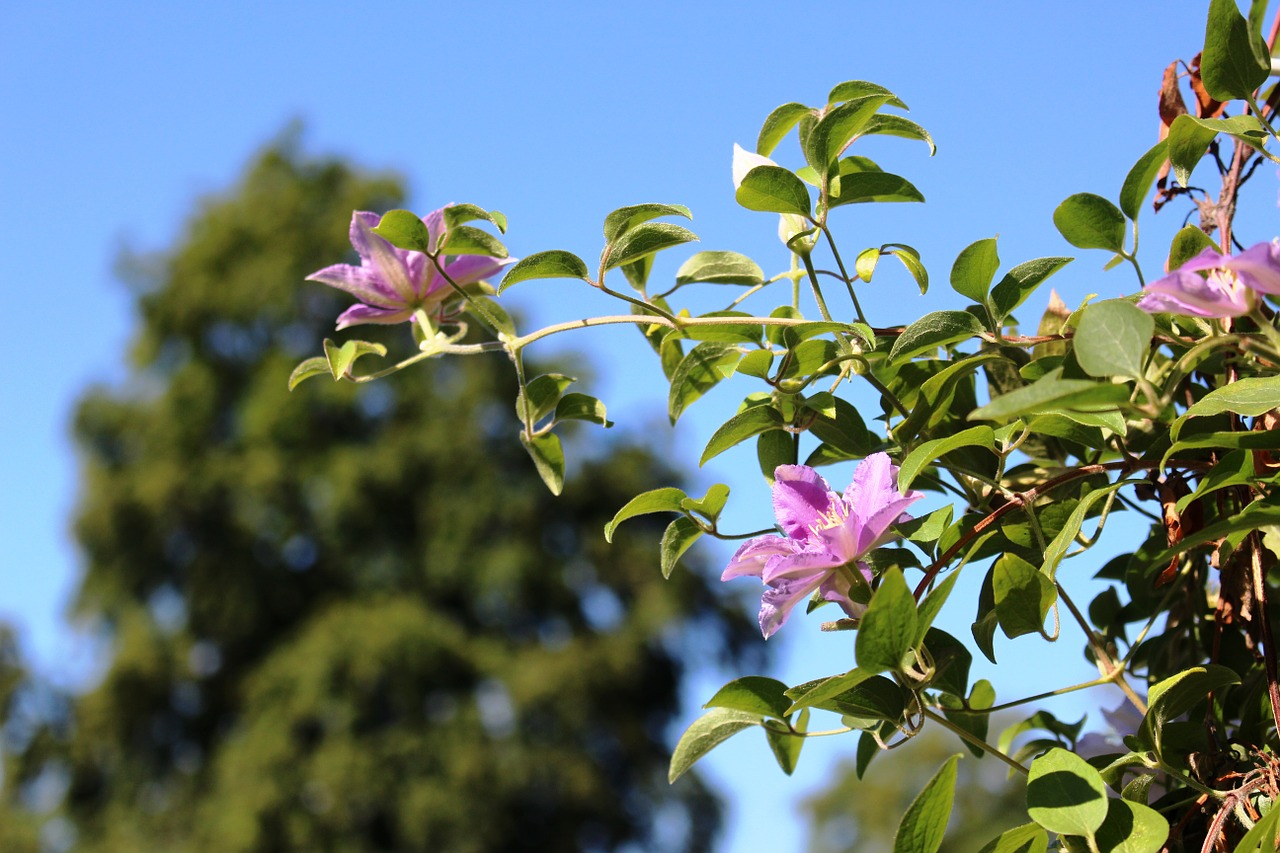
350	619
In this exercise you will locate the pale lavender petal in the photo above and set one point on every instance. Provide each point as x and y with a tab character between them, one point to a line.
750	559
466	269
776	603
385	260
800	498
836	588
1208	259
801	564
875	504
357	314
1182	292
876	531
1259	267
360	282
435	225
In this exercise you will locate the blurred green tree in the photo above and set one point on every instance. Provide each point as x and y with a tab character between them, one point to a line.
353	619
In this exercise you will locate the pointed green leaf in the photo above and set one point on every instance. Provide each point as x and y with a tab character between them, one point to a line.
667	499
745	424
1023	596
1232	64
707	732
1113	339
468	240
720	268
931	606
974	269
934	330
910	259
1132	828
699	371
773	189
624	219
677	538
925	823
1071	527
1187	243
1189	139
754	694
1051	393
778	125
1140	178
817	692
1265	835
1021	281
785	745
646	239
865	264
342	359
542	393
1065	794
1252	396
925	454
1177	695
492	315
854	89
307	369
552	264
548	458
1089	221
838	127
710	504
1027	838
891	125
864	187
404	229
888	628
456	214
582	407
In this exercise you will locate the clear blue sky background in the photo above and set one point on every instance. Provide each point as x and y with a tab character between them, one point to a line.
117	118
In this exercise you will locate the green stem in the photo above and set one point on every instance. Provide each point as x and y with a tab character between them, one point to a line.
844	274
973	739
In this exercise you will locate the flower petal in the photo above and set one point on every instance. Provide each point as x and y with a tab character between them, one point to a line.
1259	267
836	588
361	282
750	559
776	603
385	260
744	161
800	498
358	314
875	504
800	564
1182	292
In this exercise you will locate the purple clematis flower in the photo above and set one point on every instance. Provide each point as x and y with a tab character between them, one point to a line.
827	535
1226	290
393	283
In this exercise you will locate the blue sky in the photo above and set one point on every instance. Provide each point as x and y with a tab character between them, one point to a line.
119	117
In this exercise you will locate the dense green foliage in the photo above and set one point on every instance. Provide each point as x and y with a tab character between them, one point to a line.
347	619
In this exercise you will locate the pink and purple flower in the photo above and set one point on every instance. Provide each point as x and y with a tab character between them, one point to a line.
826	537
1224	292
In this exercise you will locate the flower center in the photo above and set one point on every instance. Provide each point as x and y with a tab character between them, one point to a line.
835	516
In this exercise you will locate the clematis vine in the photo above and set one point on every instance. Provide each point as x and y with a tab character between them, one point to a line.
826	536
392	284
790	225
1225	291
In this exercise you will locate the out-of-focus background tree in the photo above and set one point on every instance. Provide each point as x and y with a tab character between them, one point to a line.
348	619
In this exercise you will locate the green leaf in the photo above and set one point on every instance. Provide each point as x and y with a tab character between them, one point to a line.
773	448
925	454
404	229
1113	339
307	369
468	240
1140	178
582	407
785	745
710	504
778	125
720	268
888	628
773	189
1231	65
492	315
1023	596
1252	396
1265	835
548	458
846	432
931	606
745	424
624	219
1027	838
1052	393
932	331
1232	440
698	372
667	499
1255	516
756	363
820	691
865	264
864	187
1021	281
456	214
974	269
891	125
1065	794
1177	695
1089	221
754	694
676	539
1189	139
925	823
910	259
854	89
838	127
644	240
707	732
1187	243
1132	828
342	359
1062	541
552	264
1234	469
542	393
